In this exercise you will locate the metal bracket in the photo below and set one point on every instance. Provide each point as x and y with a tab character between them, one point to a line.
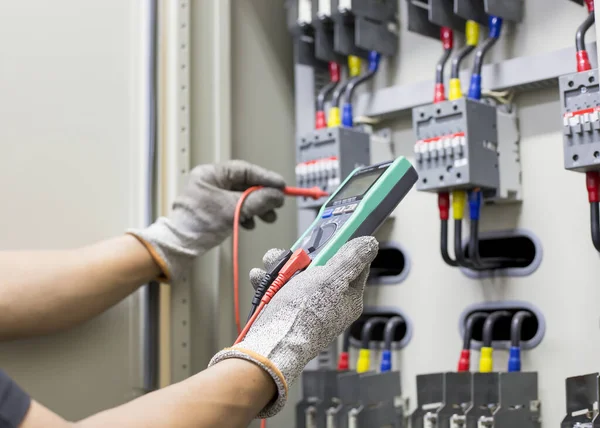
582	401
457	398
441	12
430	396
510	10
418	21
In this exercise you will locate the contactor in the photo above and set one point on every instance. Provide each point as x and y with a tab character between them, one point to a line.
325	157
466	144
580	103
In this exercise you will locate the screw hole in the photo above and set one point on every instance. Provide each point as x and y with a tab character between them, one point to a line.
441	178
422	114
438	111
458	175
454	107
184	366
596	154
424	181
571	83
591	79
449	168
575	157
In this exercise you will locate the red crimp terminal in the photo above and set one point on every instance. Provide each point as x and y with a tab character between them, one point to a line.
439	93
343	361
583	61
592	183
320	120
334	72
464	362
590	5
447	37
444	205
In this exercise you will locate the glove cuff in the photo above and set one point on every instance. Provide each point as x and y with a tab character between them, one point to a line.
267	365
165	275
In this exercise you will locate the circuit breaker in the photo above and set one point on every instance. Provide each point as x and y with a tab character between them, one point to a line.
580	104
466	144
326	156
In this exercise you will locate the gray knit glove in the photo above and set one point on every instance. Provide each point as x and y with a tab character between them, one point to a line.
305	316
202	216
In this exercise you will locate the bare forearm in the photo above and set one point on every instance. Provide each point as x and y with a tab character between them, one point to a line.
227	395
44	291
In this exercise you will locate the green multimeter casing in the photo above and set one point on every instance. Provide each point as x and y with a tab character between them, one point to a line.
357	208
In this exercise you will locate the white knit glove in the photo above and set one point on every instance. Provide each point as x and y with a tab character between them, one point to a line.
305	316
202	215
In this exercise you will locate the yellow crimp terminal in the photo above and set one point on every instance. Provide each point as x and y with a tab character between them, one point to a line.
454	91
354	65
364	361
486	362
472	33
334	118
459	200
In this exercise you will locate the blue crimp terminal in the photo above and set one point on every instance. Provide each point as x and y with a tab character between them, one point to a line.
386	361
374	58
474	204
495	24
475	87
347	115
514	359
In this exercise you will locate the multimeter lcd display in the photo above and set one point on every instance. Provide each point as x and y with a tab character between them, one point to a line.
358	185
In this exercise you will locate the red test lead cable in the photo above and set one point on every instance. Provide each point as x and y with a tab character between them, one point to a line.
313	192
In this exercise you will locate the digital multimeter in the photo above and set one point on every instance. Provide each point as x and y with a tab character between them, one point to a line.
357	208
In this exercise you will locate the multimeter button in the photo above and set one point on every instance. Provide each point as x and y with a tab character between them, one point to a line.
338	210
327	213
350	208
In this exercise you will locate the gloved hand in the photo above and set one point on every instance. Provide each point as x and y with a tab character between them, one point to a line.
202	216
305	316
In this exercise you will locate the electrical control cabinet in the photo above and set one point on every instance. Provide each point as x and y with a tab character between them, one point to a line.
326	156
464	144
580	104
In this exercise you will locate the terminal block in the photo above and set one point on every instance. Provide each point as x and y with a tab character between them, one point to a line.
465	144
580	104
504	400
430	396
457	399
582	402
319	390
326	156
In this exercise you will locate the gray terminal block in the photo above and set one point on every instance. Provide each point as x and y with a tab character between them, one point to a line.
580	104
457	146
325	157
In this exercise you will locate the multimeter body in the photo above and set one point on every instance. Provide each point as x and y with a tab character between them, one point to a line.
357	208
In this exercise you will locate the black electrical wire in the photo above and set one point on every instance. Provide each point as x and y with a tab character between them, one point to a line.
324	93
516	327
346	341
337	94
458	58
488	326
439	68
353	84
444	244
474	245
595	224
582	30
469	325
480	53
458	248
390	328
367	330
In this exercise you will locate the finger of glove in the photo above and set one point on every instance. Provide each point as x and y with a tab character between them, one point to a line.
248	223
239	175
269	217
271	257
262	201
256	276
352	259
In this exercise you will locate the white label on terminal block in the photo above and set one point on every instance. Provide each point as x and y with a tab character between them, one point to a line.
324	7
304	11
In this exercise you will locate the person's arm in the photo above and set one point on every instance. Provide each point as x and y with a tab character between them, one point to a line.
44	291
227	395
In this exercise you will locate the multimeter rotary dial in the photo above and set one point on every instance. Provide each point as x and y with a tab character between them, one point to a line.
319	236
